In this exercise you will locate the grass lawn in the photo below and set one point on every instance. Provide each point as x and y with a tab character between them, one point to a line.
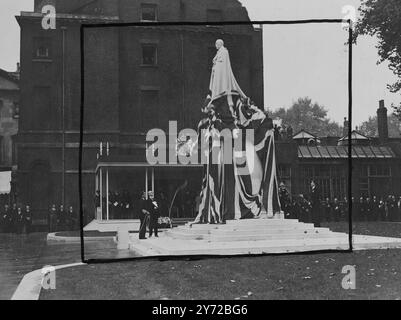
303	276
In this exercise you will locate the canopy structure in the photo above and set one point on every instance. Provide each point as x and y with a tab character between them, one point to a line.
107	164
5	182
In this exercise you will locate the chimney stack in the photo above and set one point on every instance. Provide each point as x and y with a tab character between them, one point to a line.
346	127
382	123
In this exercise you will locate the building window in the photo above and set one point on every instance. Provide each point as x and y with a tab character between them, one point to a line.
149	54
214	15
378	183
42	48
150	108
148	12
16	110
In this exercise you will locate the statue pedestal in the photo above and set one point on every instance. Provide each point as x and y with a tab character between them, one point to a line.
253	236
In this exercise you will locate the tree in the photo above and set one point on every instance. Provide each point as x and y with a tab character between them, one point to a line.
369	128
309	116
382	18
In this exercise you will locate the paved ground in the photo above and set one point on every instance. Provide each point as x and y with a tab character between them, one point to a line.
21	254
302	276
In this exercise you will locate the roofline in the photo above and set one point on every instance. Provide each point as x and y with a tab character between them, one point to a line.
316	137
121	164
26	15
354	131
6	75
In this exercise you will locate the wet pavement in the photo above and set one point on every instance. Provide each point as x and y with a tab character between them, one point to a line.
21	254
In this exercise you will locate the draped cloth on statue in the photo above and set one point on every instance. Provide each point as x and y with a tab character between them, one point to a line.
239	179
222	80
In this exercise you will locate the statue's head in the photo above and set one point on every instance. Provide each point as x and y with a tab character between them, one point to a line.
219	44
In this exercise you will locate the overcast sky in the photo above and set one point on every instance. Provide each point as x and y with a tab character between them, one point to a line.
308	60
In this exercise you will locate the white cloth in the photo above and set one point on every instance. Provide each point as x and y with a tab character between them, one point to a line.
222	80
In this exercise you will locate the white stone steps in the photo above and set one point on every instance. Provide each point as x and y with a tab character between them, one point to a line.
299	236
267	227
266	232
176	247
262	221
235	236
187	236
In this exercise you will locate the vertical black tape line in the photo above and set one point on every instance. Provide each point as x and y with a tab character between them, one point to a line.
350	101
192	23
81	138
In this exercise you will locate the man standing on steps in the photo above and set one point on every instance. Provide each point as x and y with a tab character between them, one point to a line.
315	204
143	216
154	214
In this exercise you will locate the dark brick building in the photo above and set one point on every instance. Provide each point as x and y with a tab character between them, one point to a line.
136	78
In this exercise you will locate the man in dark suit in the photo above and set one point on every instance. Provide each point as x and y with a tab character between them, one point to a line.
154	214
315	204
144	213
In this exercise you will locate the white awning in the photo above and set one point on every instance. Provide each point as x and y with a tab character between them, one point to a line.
5	182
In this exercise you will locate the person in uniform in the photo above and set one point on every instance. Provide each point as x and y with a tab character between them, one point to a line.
392	208
71	219
4	219
144	213
52	219
20	222
375	209
303	209
14	219
315	204
361	209
369	209
294	210
399	209
285	198
61	219
154	215
381	209
344	209
336	209
1	221
126	204
28	219
327	210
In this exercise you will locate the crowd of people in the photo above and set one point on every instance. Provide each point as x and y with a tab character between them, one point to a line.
364	208
283	132
18	219
15	219
62	219
306	208
125	205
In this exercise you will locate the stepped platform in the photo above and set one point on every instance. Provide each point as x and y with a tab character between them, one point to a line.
254	236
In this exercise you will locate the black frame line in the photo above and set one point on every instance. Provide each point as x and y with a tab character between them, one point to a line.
217	23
